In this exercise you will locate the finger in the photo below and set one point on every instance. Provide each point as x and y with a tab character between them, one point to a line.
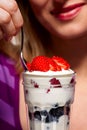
17	19
6	23
12	8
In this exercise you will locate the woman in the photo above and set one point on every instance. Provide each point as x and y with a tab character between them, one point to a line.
58	27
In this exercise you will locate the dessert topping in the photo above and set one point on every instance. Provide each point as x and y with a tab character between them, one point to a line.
43	63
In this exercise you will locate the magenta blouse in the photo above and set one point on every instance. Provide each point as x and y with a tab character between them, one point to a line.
9	95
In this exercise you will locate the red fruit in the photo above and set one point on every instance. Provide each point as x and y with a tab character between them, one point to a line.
52	65
61	62
28	66
43	63
39	63
55	82
48	90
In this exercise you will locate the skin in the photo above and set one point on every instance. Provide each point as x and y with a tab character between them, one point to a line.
64	29
10	19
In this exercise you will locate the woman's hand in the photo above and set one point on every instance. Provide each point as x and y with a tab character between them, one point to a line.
10	19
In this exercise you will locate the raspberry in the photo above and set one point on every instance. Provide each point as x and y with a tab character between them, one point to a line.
55	82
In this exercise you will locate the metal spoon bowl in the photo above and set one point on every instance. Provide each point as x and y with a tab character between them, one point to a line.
23	61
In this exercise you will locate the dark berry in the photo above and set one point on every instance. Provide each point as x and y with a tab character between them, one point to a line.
48	119
54	81
68	123
55	105
44	113
68	102
36	85
26	91
57	112
48	90
35	107
37	115
67	110
72	80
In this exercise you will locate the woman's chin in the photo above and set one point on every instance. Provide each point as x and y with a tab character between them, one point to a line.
71	34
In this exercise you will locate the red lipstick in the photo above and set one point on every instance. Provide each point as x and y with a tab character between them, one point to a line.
69	12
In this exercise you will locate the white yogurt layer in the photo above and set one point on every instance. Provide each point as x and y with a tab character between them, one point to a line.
42	99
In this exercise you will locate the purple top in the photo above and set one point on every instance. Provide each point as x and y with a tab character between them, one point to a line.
9	95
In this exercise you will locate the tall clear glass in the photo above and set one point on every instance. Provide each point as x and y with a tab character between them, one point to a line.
49	99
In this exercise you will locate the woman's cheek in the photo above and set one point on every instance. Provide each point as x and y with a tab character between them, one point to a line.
38	3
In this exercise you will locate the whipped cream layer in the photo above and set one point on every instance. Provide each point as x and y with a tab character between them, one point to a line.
51	73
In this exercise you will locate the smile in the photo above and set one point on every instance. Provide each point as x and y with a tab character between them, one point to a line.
69	12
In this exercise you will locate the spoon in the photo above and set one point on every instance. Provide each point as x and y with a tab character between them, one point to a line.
23	61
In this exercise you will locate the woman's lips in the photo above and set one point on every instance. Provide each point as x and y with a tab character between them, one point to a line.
69	12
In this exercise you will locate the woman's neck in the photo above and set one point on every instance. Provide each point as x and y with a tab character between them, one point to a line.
74	51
